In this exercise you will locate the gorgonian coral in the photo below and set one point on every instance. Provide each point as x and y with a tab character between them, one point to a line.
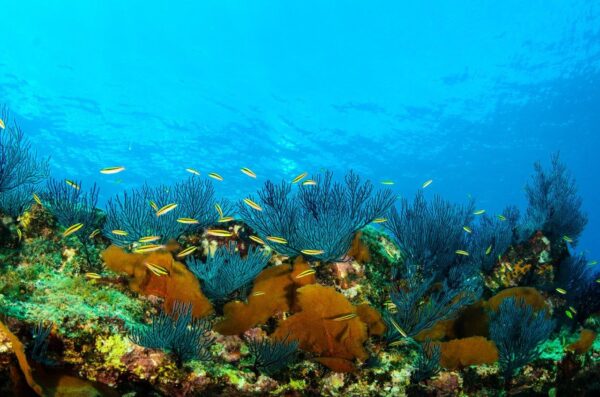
320	219
271	356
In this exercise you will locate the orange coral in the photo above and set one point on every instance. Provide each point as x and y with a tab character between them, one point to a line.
461	353
359	250
371	317
273	293
531	296
585	341
320	327
179	285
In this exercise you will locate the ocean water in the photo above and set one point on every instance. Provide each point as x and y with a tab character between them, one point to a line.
466	94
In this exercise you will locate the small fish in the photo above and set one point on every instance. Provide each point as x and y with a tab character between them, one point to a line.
396	343
501	217
309	182
92	276
509	267
387	182
216	176
593	263
278	240
561	291
219	233
258	293
571	308
312	252
467	229
192	171
248	172
153	205
462	252
187	251
158	270
488	250
147	248
398	328
94	233
569	314
187	221
164	209
226	219
112	170
20	234
427	183
72	184
379	220
299	177
598	281
479	212
568	239
219	210
148	239
72	229
306	273
37	199
252	204
345	317
2	125
119	232
257	239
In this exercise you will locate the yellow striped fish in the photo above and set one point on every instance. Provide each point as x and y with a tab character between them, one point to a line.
345	317
94	233
187	221
92	276
192	171
299	177
309	182
501	217
219	210
164	209
387	182
2	125
561	291
278	240
248	172
216	176
158	270
257	239
398	328
19	234
488	250
187	251
72	184
467	229
219	233
312	252
252	204
462	252
112	170
306	273
379	220
258	293
153	205
149	239
119	232
427	183
144	249
568	239
479	212
37	199
226	219
72	229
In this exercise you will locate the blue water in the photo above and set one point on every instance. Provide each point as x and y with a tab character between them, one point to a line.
469	96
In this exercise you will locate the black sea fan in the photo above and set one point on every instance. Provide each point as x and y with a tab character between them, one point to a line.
226	271
177	332
321	217
427	363
271	356
517	330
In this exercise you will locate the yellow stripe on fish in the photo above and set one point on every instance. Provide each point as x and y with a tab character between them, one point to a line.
188	221
112	170
278	240
306	273
144	249
299	177
252	204
187	251
164	209
248	172
216	176
72	229
312	252
219	232
257	239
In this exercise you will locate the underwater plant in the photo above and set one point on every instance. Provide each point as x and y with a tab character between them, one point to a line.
134	215
19	165
177	332
39	346
226	271
418	305
490	238
14	202
518	330
429	234
574	275
271	356
320	219
554	203
427	363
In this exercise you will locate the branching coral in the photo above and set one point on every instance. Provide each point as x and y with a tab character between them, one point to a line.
554	203
135	212
320	217
427	363
271	356
429	234
491	238
226	271
575	276
19	165
177	332
517	330
14	202
419	303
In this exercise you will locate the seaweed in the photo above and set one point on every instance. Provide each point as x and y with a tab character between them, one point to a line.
427	363
38	350
429	234
19	165
419	304
177	332
226	271
490	239
271	356
323	216
554	203
518	330
135	212
14	202
575	276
